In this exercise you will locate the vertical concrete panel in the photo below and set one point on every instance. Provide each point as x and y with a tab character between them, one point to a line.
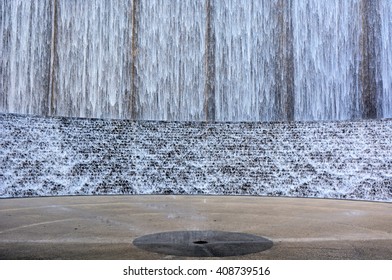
371	82
210	41
135	29
284	62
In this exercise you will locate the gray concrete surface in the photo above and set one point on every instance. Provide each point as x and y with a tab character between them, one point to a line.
104	227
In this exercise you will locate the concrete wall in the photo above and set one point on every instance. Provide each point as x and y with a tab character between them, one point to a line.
64	156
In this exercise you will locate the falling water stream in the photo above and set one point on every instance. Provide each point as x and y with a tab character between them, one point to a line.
216	60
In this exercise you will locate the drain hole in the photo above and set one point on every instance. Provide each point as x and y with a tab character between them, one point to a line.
200	242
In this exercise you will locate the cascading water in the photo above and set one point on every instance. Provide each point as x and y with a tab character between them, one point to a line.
170	60
223	60
206	60
25	38
247	59
386	57
92	59
327	58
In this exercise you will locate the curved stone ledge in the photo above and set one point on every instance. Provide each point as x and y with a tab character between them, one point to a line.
68	156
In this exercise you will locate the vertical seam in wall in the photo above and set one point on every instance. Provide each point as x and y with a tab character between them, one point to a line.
378	57
284	61
209	90
135	27
51	96
369	87
290	99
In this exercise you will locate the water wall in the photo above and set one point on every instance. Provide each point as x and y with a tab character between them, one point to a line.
216	60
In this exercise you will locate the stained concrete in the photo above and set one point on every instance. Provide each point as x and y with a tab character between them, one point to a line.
104	227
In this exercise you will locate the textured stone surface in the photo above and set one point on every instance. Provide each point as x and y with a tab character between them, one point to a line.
66	156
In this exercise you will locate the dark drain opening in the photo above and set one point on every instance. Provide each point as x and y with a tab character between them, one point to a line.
200	242
203	243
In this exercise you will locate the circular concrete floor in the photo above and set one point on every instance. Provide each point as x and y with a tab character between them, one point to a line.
105	227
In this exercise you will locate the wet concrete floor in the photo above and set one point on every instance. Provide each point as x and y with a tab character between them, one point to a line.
105	227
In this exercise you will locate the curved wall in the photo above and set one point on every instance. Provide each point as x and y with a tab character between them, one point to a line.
223	60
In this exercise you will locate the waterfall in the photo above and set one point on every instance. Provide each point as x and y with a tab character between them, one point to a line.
254	79
222	60
25	38
386	57
170	60
327	58
93	55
